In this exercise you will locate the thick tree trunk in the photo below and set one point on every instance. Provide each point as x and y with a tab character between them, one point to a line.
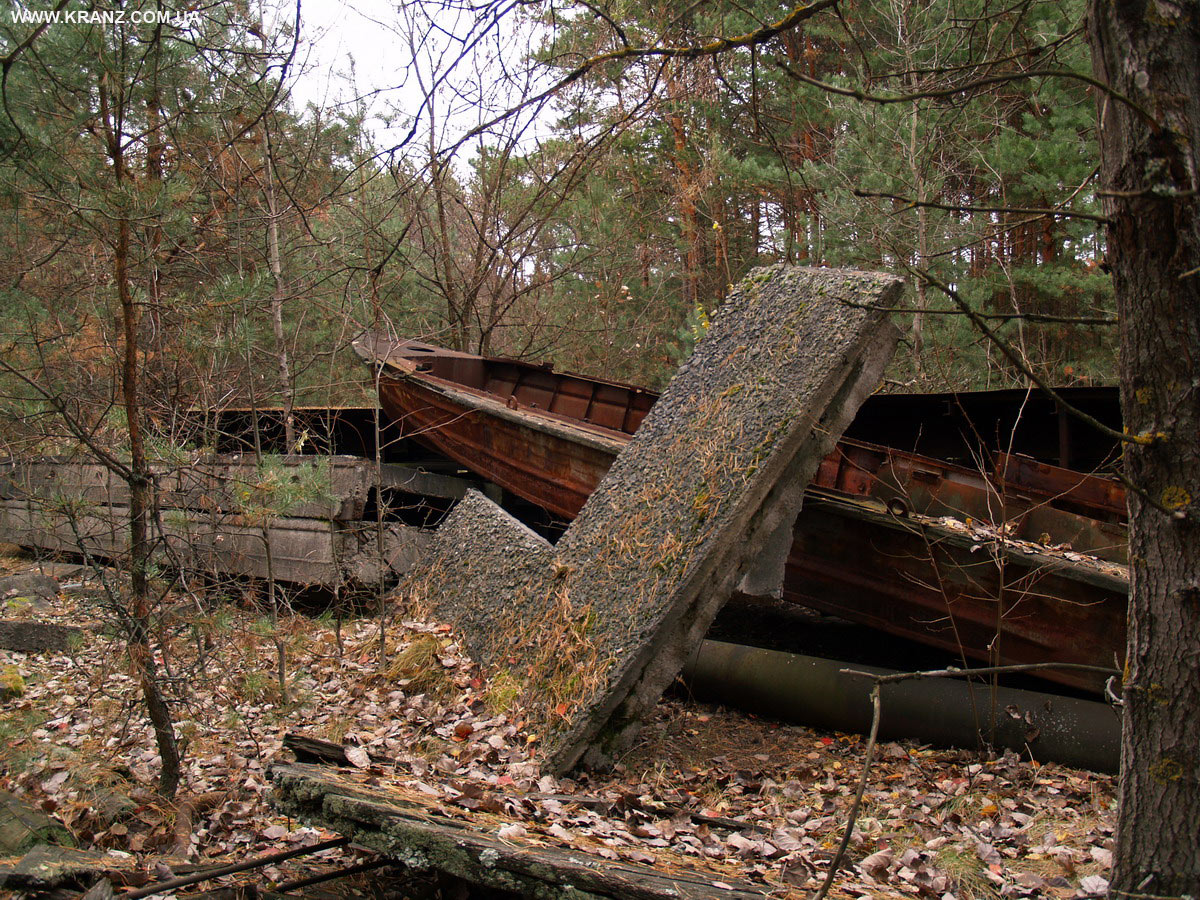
1149	52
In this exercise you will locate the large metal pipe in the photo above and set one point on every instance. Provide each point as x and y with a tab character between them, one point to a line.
943	711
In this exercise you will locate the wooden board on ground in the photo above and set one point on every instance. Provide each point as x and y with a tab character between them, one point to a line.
426	834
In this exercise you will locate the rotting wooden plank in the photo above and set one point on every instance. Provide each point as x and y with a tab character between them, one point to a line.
314	750
425	835
310	750
599	625
47	868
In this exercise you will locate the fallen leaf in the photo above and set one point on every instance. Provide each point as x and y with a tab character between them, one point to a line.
877	862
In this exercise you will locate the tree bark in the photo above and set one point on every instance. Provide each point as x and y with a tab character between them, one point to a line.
139	478
275	263
1149	52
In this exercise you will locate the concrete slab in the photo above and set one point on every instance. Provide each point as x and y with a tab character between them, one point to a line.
302	551
593	631
25	636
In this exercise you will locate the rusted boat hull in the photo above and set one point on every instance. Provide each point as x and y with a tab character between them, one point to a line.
856	553
949	590
520	453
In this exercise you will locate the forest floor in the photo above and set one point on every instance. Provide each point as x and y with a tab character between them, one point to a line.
954	825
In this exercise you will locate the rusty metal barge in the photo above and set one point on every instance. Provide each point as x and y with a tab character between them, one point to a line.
1016	560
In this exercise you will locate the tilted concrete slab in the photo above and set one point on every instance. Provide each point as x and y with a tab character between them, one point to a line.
592	631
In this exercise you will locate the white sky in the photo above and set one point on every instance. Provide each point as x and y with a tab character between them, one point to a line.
360	51
348	51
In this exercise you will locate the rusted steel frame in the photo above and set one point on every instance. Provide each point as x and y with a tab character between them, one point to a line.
1027	507
934	585
949	425
919	583
589	402
1100	498
857	468
344	430
541	388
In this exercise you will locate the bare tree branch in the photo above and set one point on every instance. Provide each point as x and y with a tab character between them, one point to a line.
910	203
969	86
1000	317
798	14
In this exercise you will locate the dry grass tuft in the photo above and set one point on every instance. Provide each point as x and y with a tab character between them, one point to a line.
418	665
966	870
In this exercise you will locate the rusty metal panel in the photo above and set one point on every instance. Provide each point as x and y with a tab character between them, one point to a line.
951	591
1019	504
1099	498
864	566
530	461
1020	495
956	426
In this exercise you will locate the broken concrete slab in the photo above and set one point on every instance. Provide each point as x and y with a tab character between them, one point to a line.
594	630
333	487
302	551
499	568
28	590
26	636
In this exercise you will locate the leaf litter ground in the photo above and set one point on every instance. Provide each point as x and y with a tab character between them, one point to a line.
744	796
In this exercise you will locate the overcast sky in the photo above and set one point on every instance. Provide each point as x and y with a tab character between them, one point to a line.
350	50
359	51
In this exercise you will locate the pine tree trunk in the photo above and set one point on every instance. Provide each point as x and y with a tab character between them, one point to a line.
275	263
140	504
1149	52
141	487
